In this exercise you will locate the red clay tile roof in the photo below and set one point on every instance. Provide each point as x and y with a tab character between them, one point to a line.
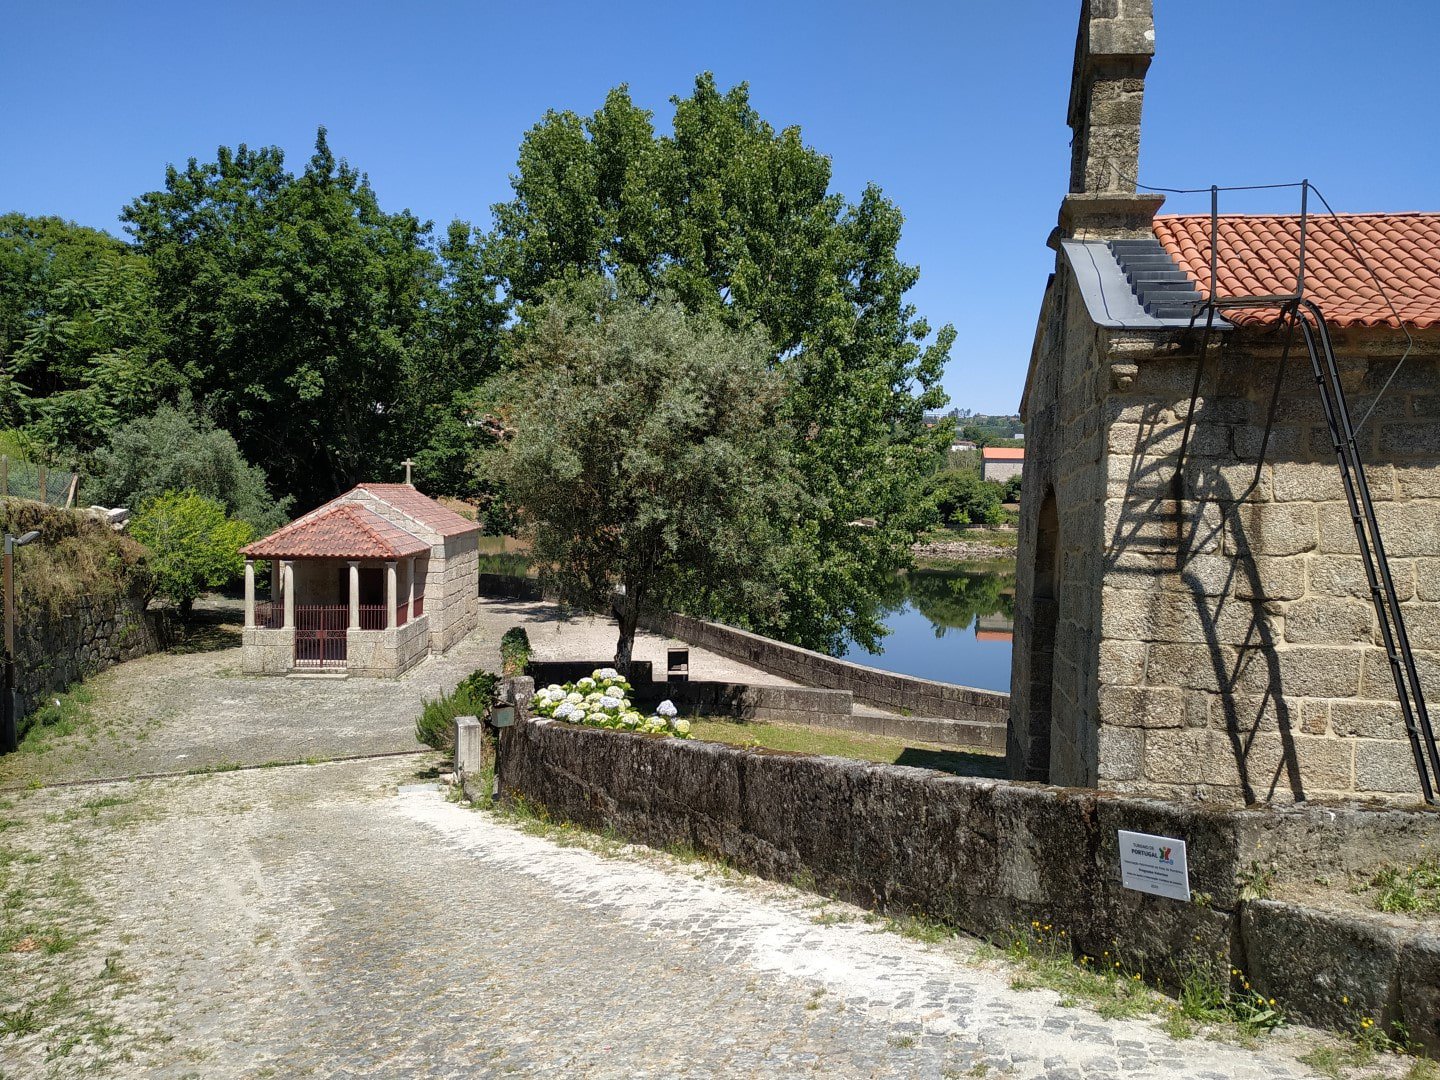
421	508
1002	453
1259	256
338	530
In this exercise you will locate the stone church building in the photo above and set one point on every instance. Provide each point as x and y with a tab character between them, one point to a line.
1205	627
368	584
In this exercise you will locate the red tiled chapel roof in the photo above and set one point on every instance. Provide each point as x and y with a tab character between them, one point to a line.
338	530
1259	255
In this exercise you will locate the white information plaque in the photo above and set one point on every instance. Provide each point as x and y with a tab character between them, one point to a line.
1154	864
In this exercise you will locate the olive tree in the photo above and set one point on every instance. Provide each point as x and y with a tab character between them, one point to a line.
645	456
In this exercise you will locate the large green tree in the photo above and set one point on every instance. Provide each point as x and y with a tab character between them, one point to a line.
738	222
81	348
645	453
297	309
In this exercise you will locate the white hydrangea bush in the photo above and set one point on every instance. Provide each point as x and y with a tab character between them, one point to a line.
602	699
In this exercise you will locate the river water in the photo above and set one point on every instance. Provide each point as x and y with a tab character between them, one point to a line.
950	621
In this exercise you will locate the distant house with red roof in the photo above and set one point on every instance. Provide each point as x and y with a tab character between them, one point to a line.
368	584
1000	463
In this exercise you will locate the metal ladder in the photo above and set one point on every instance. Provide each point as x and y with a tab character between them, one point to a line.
1308	316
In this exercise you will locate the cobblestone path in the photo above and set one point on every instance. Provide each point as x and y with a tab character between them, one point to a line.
333	920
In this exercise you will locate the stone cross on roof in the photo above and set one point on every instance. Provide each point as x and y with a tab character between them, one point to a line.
407	463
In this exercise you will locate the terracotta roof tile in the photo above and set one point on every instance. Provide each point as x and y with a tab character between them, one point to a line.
338	530
421	508
1259	255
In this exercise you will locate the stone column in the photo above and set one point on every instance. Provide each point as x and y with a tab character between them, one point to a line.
274	581
354	595
249	594
410	596
287	586
392	613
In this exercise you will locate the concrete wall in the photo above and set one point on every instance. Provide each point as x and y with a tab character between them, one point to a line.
887	690
990	856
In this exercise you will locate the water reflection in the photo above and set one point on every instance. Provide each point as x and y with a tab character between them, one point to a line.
953	623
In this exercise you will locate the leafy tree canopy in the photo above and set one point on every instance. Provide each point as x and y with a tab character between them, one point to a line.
297	310
737	221
174	450
81	348
647	453
193	546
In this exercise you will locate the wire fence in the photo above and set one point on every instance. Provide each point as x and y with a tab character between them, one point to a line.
25	480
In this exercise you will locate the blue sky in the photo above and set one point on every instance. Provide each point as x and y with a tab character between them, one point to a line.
956	109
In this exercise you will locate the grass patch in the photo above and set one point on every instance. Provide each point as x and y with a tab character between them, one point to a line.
859	746
57	718
1407	890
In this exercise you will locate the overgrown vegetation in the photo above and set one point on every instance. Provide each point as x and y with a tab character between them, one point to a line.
472	697
1408	890
514	651
76	557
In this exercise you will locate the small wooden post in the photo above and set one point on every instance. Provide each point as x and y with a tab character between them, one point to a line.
4	474
40	483
74	488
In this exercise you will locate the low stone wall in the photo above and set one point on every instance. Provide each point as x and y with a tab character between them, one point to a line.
991	857
52	653
885	689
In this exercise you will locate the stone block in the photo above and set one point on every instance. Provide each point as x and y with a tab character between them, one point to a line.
1313	961
1122	663
1385	766
1367	720
1422	624
1141	706
1418	439
1328	621
1121	752
1319	481
1377	681
1302	671
1409	529
1275	529
1419	996
1161	526
1414	481
1264	765
1427	578
1339	575
469	746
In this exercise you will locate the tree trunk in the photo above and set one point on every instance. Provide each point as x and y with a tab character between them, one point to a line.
628	616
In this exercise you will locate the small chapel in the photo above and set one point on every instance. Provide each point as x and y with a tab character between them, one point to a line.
370	583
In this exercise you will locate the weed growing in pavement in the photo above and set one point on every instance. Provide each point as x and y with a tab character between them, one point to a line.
1408	890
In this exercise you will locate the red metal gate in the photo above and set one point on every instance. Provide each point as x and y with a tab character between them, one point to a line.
320	635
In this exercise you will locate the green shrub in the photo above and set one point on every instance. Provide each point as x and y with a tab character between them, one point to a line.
473	697
515	651
193	545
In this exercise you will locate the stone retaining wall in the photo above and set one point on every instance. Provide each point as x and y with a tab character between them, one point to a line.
52	653
885	689
991	857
